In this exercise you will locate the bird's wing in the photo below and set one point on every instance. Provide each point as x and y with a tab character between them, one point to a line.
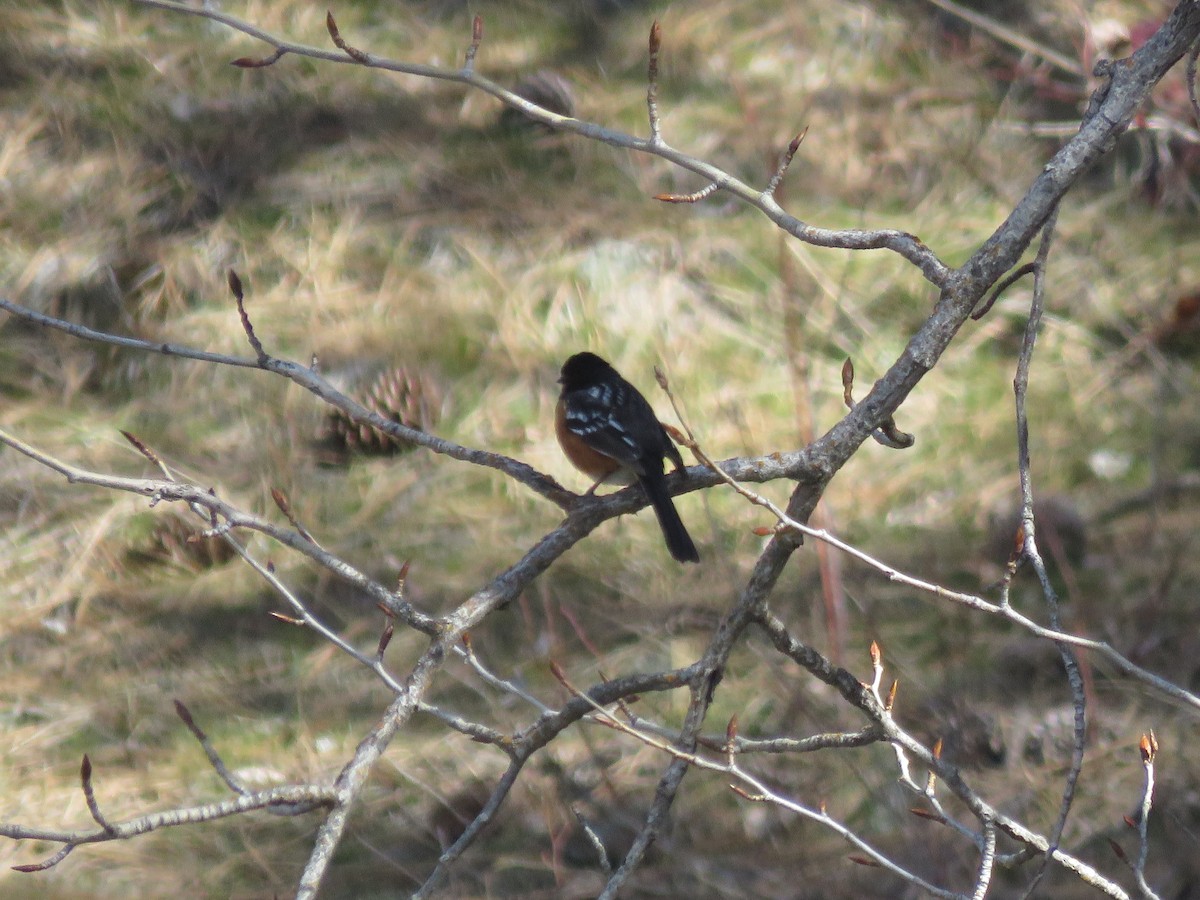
595	414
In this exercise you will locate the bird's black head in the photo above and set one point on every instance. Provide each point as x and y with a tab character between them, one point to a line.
583	370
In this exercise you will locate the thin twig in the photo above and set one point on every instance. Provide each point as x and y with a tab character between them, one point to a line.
298	797
781	170
757	790
169	490
902	243
311	380
972	601
1030	548
1001	286
1148	748
214	758
652	84
476	40
860	697
89	795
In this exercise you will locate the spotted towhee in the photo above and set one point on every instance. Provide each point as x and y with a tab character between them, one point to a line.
608	430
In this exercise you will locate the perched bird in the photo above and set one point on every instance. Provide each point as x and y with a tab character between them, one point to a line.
609	432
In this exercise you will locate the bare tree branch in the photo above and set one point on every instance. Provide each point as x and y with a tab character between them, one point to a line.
960	291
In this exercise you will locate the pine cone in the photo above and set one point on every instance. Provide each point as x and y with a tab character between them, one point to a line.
178	538
402	395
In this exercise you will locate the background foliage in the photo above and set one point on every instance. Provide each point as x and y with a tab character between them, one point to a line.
381	221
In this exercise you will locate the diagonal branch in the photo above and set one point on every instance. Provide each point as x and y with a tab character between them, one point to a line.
300	797
312	381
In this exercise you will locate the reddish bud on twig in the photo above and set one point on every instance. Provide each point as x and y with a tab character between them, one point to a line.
1116	849
287	620
355	54
731	730
677	436
385	638
89	794
1148	746
186	715
285	507
1128	820
557	672
466	642
926	814
47	863
139	446
784	163
743	793
235	284
876	654
248	62
891	697
937	749
652	84
476	40
863	861
796	142
762	531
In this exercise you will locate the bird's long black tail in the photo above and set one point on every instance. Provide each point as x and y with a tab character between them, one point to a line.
679	542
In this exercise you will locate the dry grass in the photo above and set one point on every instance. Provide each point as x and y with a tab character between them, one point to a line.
378	220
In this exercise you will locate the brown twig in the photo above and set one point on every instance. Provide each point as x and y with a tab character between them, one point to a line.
652	84
1003	285
1148	749
1030	549
285	507
476	40
887	433
214	758
235	287
249	62
788	155
89	794
338	41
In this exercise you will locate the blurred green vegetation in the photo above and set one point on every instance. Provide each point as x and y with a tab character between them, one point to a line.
382	221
